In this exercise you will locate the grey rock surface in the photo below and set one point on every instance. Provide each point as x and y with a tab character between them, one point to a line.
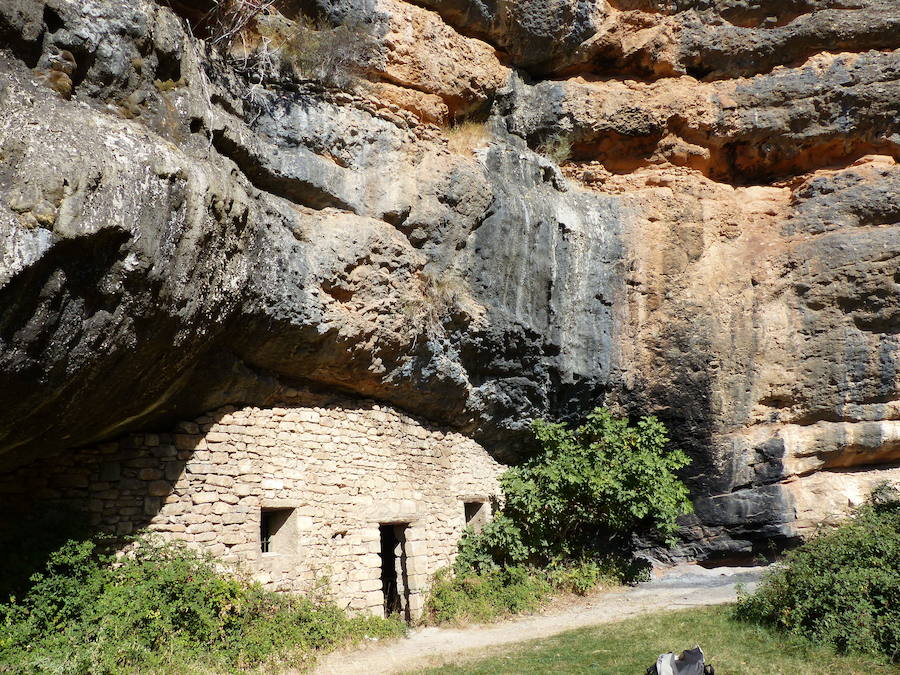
687	209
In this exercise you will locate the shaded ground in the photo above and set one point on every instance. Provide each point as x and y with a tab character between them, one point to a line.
678	587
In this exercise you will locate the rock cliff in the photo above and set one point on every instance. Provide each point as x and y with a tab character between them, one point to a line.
480	212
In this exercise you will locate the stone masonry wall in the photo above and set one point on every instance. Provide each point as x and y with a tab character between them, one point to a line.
342	469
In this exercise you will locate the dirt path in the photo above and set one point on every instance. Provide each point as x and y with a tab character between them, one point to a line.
678	587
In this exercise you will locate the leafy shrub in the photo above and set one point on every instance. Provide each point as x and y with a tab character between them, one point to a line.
162	607
568	513
605	477
841	588
583	574
586	492
498	544
461	595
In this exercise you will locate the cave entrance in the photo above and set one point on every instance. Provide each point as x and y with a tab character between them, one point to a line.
394	579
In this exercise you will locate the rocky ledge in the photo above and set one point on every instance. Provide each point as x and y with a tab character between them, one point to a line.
478	212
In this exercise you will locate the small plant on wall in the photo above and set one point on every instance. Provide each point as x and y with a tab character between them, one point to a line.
333	55
557	148
464	136
432	301
266	45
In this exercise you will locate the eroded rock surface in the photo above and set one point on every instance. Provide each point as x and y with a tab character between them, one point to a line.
493	212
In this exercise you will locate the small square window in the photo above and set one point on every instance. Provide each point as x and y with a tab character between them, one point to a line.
277	531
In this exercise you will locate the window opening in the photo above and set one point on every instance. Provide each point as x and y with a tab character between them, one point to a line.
274	535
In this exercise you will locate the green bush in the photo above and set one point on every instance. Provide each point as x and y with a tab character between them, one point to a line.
841	588
162	607
583	574
586	492
568	517
498	544
605	477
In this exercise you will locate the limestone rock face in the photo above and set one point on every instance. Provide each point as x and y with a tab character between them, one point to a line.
495	211
422	53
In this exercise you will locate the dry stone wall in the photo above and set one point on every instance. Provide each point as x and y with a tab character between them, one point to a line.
330	476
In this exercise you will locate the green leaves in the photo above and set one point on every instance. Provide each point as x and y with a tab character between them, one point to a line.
485	596
604	477
589	485
567	511
841	588
161	608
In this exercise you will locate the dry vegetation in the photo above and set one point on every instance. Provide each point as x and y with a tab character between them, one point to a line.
557	148
229	19
433	301
464	137
265	45
336	56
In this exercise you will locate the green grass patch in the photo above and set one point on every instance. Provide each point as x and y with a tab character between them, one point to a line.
631	646
461	595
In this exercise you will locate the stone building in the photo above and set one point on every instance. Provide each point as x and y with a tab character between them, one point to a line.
352	495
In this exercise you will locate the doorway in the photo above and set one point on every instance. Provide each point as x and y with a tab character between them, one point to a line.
394	580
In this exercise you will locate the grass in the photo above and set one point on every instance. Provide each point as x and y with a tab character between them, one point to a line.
632	646
433	301
464	137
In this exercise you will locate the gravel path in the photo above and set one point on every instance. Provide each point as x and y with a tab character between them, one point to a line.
676	588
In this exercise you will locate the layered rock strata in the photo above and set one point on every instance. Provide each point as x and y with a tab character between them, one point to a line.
491	212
